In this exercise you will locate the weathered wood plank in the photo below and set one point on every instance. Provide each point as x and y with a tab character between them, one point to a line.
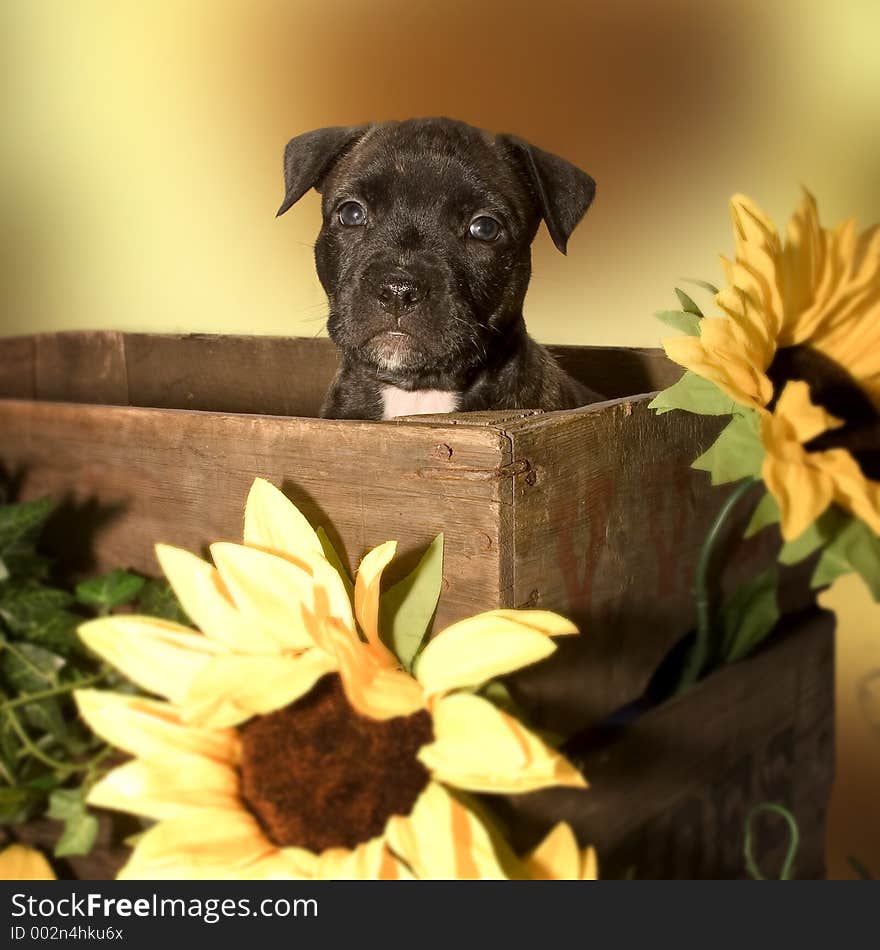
129	477
618	371
84	367
669	792
608	519
17	373
270	375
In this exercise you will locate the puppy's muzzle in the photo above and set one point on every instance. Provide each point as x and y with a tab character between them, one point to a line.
399	292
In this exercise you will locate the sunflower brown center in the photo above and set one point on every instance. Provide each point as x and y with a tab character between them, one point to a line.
318	775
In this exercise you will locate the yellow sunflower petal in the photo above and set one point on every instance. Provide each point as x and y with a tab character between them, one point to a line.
274	523
479	748
268	590
372	689
20	863
161	657
286	864
204	597
490	644
370	861
209	844
802	492
443	840
147	728
852	490
231	689
806	419
366	598
559	858
175	785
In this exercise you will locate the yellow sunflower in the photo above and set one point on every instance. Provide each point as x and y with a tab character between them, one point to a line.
804	482
819	289
289	747
20	863
806	309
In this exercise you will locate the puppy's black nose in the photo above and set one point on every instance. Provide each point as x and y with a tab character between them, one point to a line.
399	292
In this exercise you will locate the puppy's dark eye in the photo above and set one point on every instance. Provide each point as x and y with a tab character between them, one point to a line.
484	228
352	214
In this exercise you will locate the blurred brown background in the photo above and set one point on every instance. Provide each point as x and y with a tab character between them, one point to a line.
141	172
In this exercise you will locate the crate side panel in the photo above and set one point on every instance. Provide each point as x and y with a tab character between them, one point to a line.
270	375
669	793
608	521
129	477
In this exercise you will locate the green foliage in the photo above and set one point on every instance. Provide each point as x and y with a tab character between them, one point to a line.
680	320
786	871
109	591
736	453
852	547
749	616
48	757
687	303
766	514
692	393
406	610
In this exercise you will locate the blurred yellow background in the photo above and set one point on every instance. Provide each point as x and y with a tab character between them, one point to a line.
142	169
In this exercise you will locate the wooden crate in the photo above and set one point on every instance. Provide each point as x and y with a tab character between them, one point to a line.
594	513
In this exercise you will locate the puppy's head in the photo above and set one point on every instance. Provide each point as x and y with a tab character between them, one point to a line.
425	247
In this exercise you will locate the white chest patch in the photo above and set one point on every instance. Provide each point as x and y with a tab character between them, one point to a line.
417	402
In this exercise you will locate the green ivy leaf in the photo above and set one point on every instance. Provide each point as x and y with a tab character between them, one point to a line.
406	610
749	616
21	522
736	453
336	561
18	803
692	393
4	571
687	303
157	599
29	668
854	548
688	323
766	513
80	826
110	590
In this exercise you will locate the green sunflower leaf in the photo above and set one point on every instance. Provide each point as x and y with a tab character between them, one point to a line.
692	393
110	590
736	453
749	616
766	513
688	323
702	283
336	561
823	530
687	303
406	610
854	548
17	803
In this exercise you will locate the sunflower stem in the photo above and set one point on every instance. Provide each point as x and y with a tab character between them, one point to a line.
704	647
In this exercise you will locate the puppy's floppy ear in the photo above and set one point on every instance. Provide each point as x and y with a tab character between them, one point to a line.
563	192
308	158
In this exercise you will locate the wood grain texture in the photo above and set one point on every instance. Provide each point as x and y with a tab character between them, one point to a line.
670	792
129	477
608	520
17	372
84	367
